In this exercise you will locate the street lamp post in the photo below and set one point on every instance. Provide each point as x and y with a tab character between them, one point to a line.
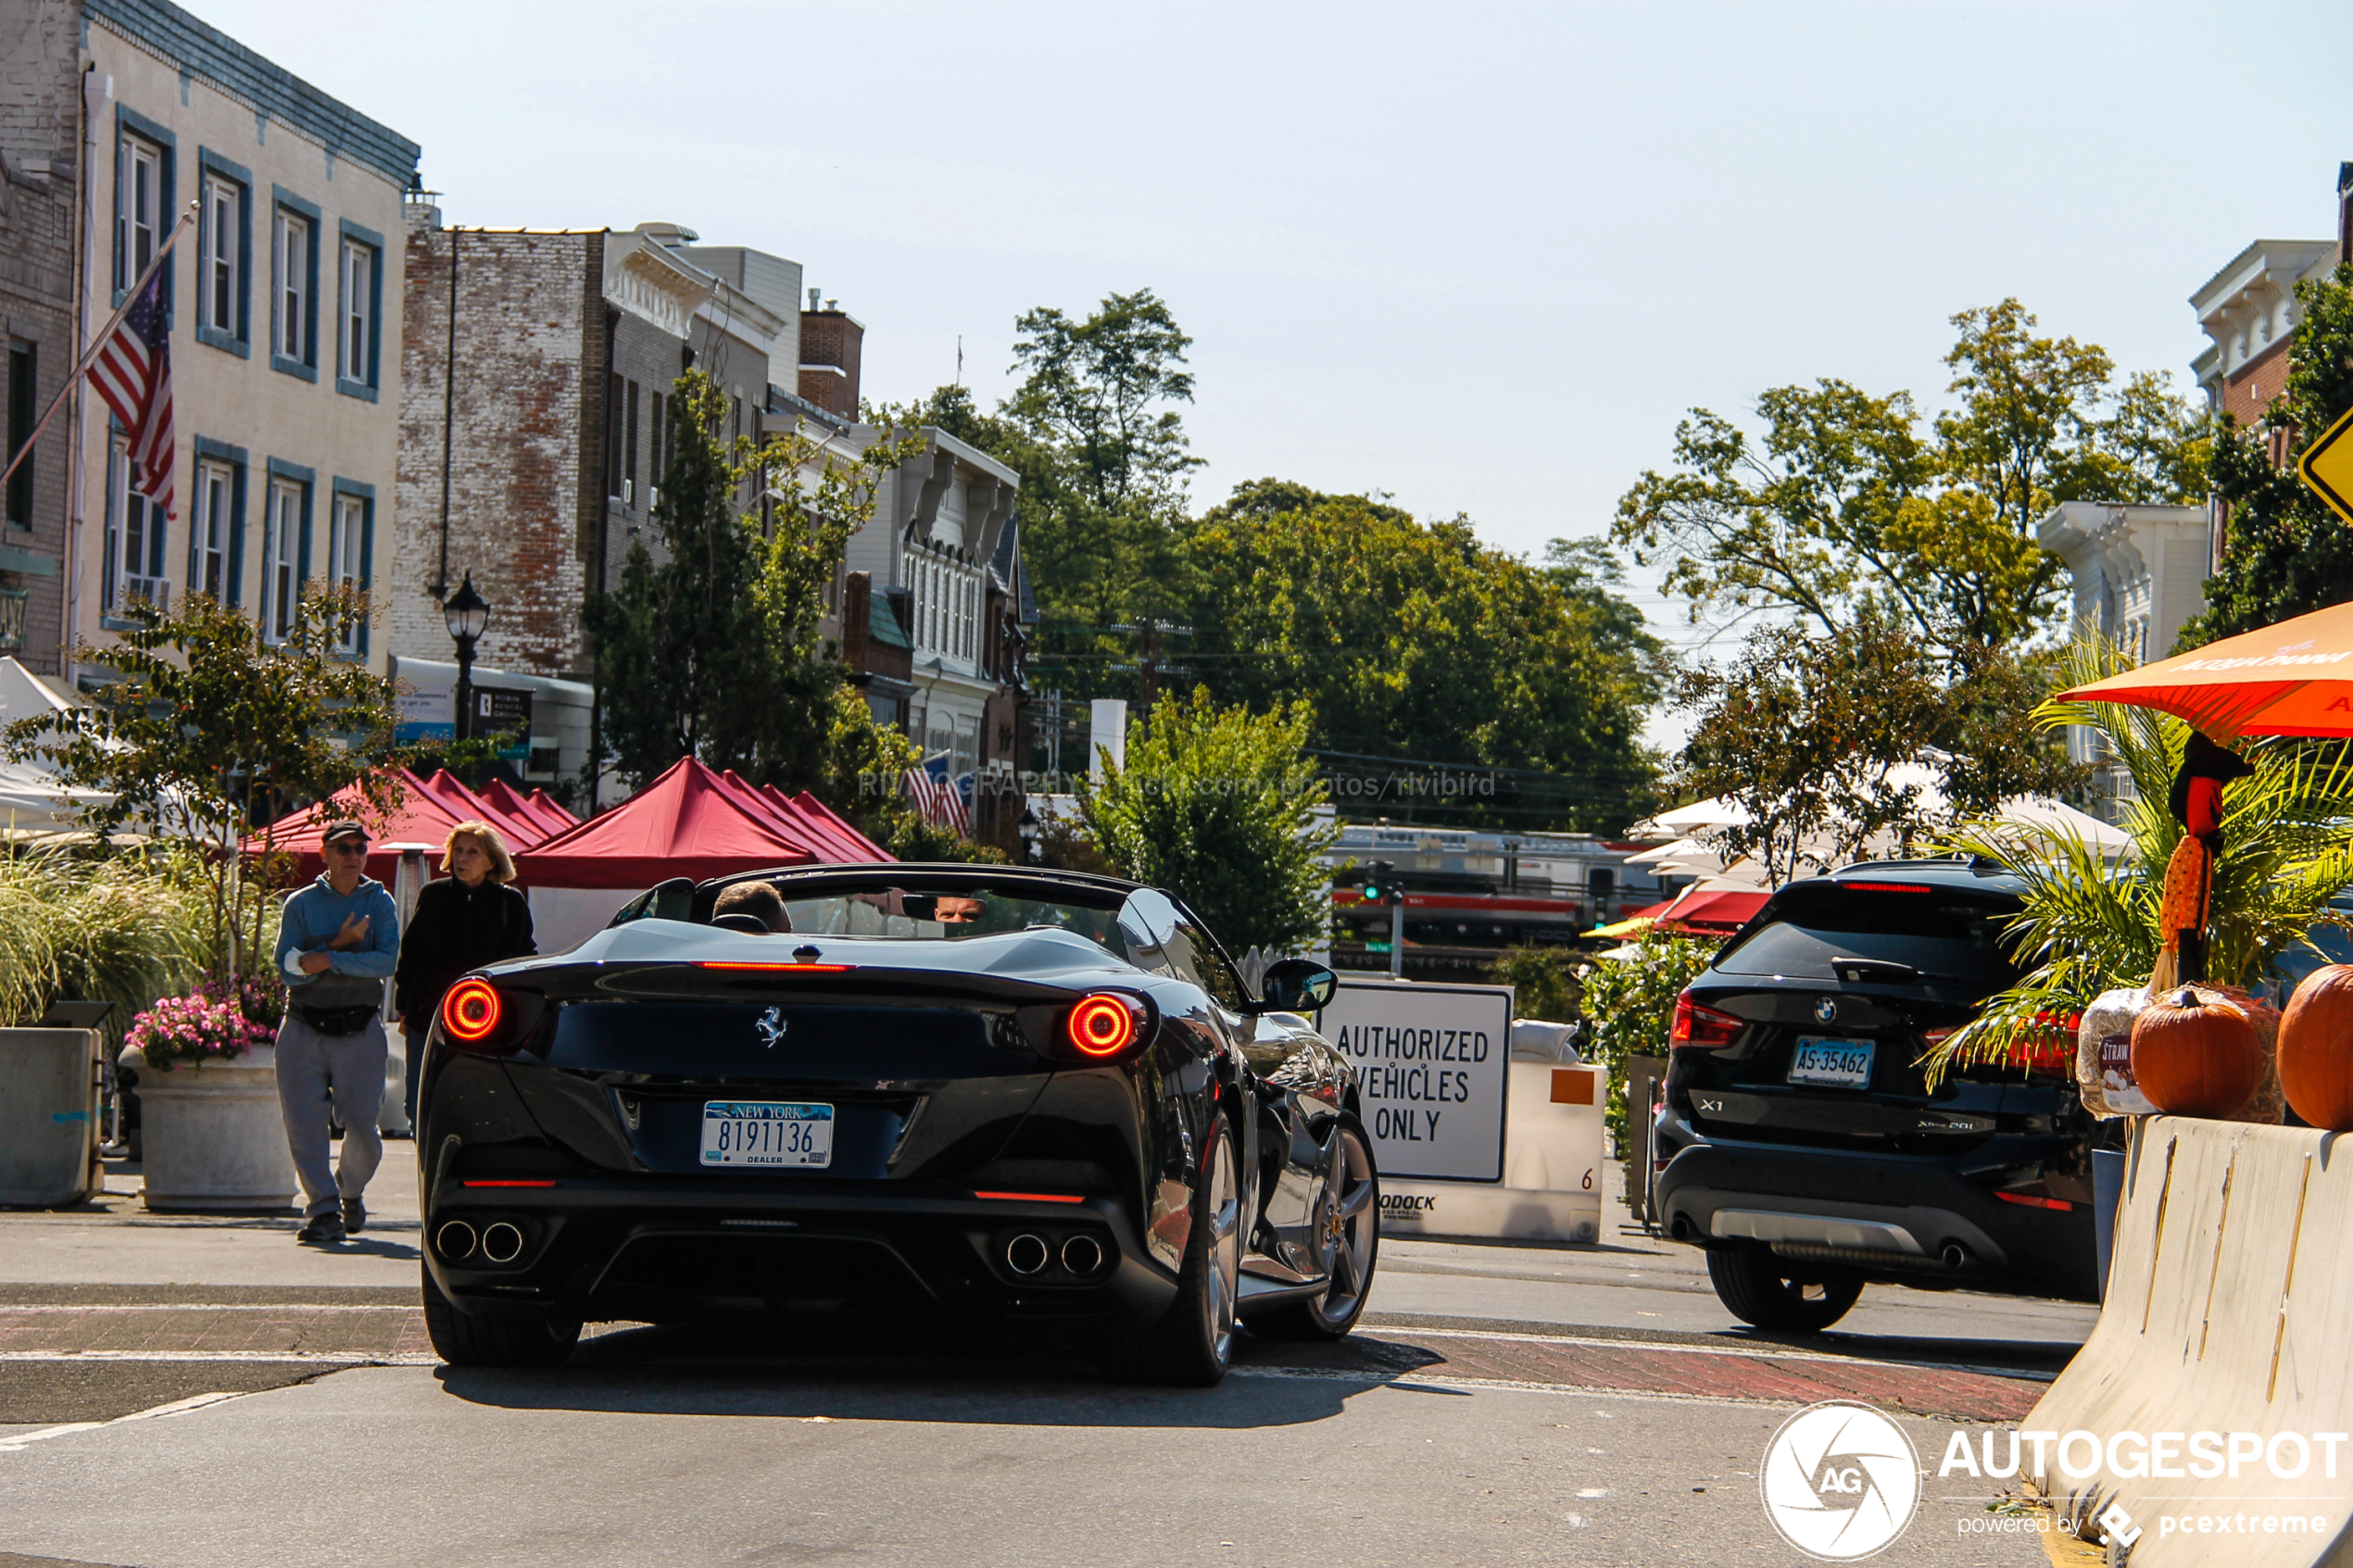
467	614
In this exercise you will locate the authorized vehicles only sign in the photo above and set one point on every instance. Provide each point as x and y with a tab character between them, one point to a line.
1432	1069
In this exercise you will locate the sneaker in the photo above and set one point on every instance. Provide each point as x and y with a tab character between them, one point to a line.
355	1215
322	1230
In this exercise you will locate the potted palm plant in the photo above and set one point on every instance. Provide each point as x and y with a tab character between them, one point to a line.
2090	927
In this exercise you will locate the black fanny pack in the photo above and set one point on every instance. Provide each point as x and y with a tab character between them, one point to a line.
337	1021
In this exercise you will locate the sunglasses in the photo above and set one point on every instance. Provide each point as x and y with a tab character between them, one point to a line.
347	846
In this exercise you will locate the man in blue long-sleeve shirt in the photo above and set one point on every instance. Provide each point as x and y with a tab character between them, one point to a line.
337	940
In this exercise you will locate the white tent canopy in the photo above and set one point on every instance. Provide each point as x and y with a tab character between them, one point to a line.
32	799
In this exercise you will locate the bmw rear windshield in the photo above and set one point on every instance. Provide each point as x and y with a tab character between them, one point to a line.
1946	935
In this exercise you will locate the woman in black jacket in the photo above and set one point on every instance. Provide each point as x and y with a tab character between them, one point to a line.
472	917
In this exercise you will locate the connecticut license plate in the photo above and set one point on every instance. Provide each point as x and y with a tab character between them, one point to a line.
1837	1065
766	1132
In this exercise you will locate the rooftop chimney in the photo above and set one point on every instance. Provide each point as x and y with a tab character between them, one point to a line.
830	345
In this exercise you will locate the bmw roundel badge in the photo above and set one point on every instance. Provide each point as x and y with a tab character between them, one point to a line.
1826	1010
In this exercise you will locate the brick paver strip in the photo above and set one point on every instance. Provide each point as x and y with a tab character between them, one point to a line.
1626	1367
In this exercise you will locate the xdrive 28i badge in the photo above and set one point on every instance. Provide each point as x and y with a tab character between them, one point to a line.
771	1027
1826	1010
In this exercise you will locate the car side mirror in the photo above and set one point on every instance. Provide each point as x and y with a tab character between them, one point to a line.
1297	985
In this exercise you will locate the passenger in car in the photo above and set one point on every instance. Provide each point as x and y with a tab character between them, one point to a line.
760	900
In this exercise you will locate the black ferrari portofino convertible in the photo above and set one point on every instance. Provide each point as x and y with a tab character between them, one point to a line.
1009	1094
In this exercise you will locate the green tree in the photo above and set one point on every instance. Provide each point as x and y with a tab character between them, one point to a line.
210	731
1415	640
1805	733
1216	805
2285	553
1102	454
714	652
1841	504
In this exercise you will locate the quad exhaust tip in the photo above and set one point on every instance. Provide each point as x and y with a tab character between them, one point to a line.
1082	1255
455	1240
502	1243
1027	1254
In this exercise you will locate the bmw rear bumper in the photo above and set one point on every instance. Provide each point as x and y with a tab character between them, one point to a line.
1893	1217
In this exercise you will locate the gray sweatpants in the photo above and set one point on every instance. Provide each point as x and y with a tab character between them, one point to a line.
309	1065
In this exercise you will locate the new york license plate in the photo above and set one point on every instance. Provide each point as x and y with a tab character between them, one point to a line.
761	1131
1837	1065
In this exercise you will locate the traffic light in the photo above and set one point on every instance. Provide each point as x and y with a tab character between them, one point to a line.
1380	884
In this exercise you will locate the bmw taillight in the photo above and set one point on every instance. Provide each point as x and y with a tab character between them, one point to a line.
477	1016
1105	1024
1702	1028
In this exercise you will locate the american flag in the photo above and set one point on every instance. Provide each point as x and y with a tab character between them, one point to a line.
132	372
939	801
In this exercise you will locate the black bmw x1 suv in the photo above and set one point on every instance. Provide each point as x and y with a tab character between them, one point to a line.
1798	1141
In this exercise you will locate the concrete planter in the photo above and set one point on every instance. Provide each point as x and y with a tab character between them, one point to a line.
48	1116
214	1138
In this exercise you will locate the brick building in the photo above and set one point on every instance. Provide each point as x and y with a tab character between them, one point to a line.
42	114
537	370
122	114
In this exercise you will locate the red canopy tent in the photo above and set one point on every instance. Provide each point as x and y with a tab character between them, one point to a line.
536	806
691	821
429	808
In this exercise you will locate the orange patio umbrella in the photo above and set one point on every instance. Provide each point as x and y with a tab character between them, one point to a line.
2292	679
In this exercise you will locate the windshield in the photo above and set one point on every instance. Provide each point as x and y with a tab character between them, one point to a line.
1943	936
945	912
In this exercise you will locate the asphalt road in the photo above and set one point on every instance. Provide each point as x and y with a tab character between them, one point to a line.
250	1401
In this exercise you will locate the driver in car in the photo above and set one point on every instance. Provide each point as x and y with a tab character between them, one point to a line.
962	915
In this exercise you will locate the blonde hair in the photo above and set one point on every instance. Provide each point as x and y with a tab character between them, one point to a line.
502	864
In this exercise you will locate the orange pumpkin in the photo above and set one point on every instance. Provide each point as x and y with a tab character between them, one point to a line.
2316	1049
2196	1053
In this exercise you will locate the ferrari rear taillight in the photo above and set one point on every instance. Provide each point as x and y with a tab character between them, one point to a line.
1700	1028
1104	1024
471	1011
476	1016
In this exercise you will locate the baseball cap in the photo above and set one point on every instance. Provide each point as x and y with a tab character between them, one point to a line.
345	829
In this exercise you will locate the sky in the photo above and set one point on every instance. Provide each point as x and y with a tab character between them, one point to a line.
1480	258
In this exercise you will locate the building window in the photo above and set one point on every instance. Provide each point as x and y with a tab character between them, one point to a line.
359	333
135	539
629	449
294	236
217	246
347	552
293	274
215	516
139	203
23	386
660	466
282	534
615	387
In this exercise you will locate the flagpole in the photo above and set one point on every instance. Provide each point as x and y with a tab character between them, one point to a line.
81	368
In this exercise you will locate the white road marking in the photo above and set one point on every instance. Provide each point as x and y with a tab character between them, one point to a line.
177	1406
1831	1356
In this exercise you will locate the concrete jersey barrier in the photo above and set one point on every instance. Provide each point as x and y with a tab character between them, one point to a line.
2224	1355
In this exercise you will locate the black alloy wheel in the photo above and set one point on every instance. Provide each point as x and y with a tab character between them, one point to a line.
496	1336
1193	1345
1347	1221
1781	1294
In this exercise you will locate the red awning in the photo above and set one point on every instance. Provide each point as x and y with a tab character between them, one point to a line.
1728	910
691	822
536	806
429	808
